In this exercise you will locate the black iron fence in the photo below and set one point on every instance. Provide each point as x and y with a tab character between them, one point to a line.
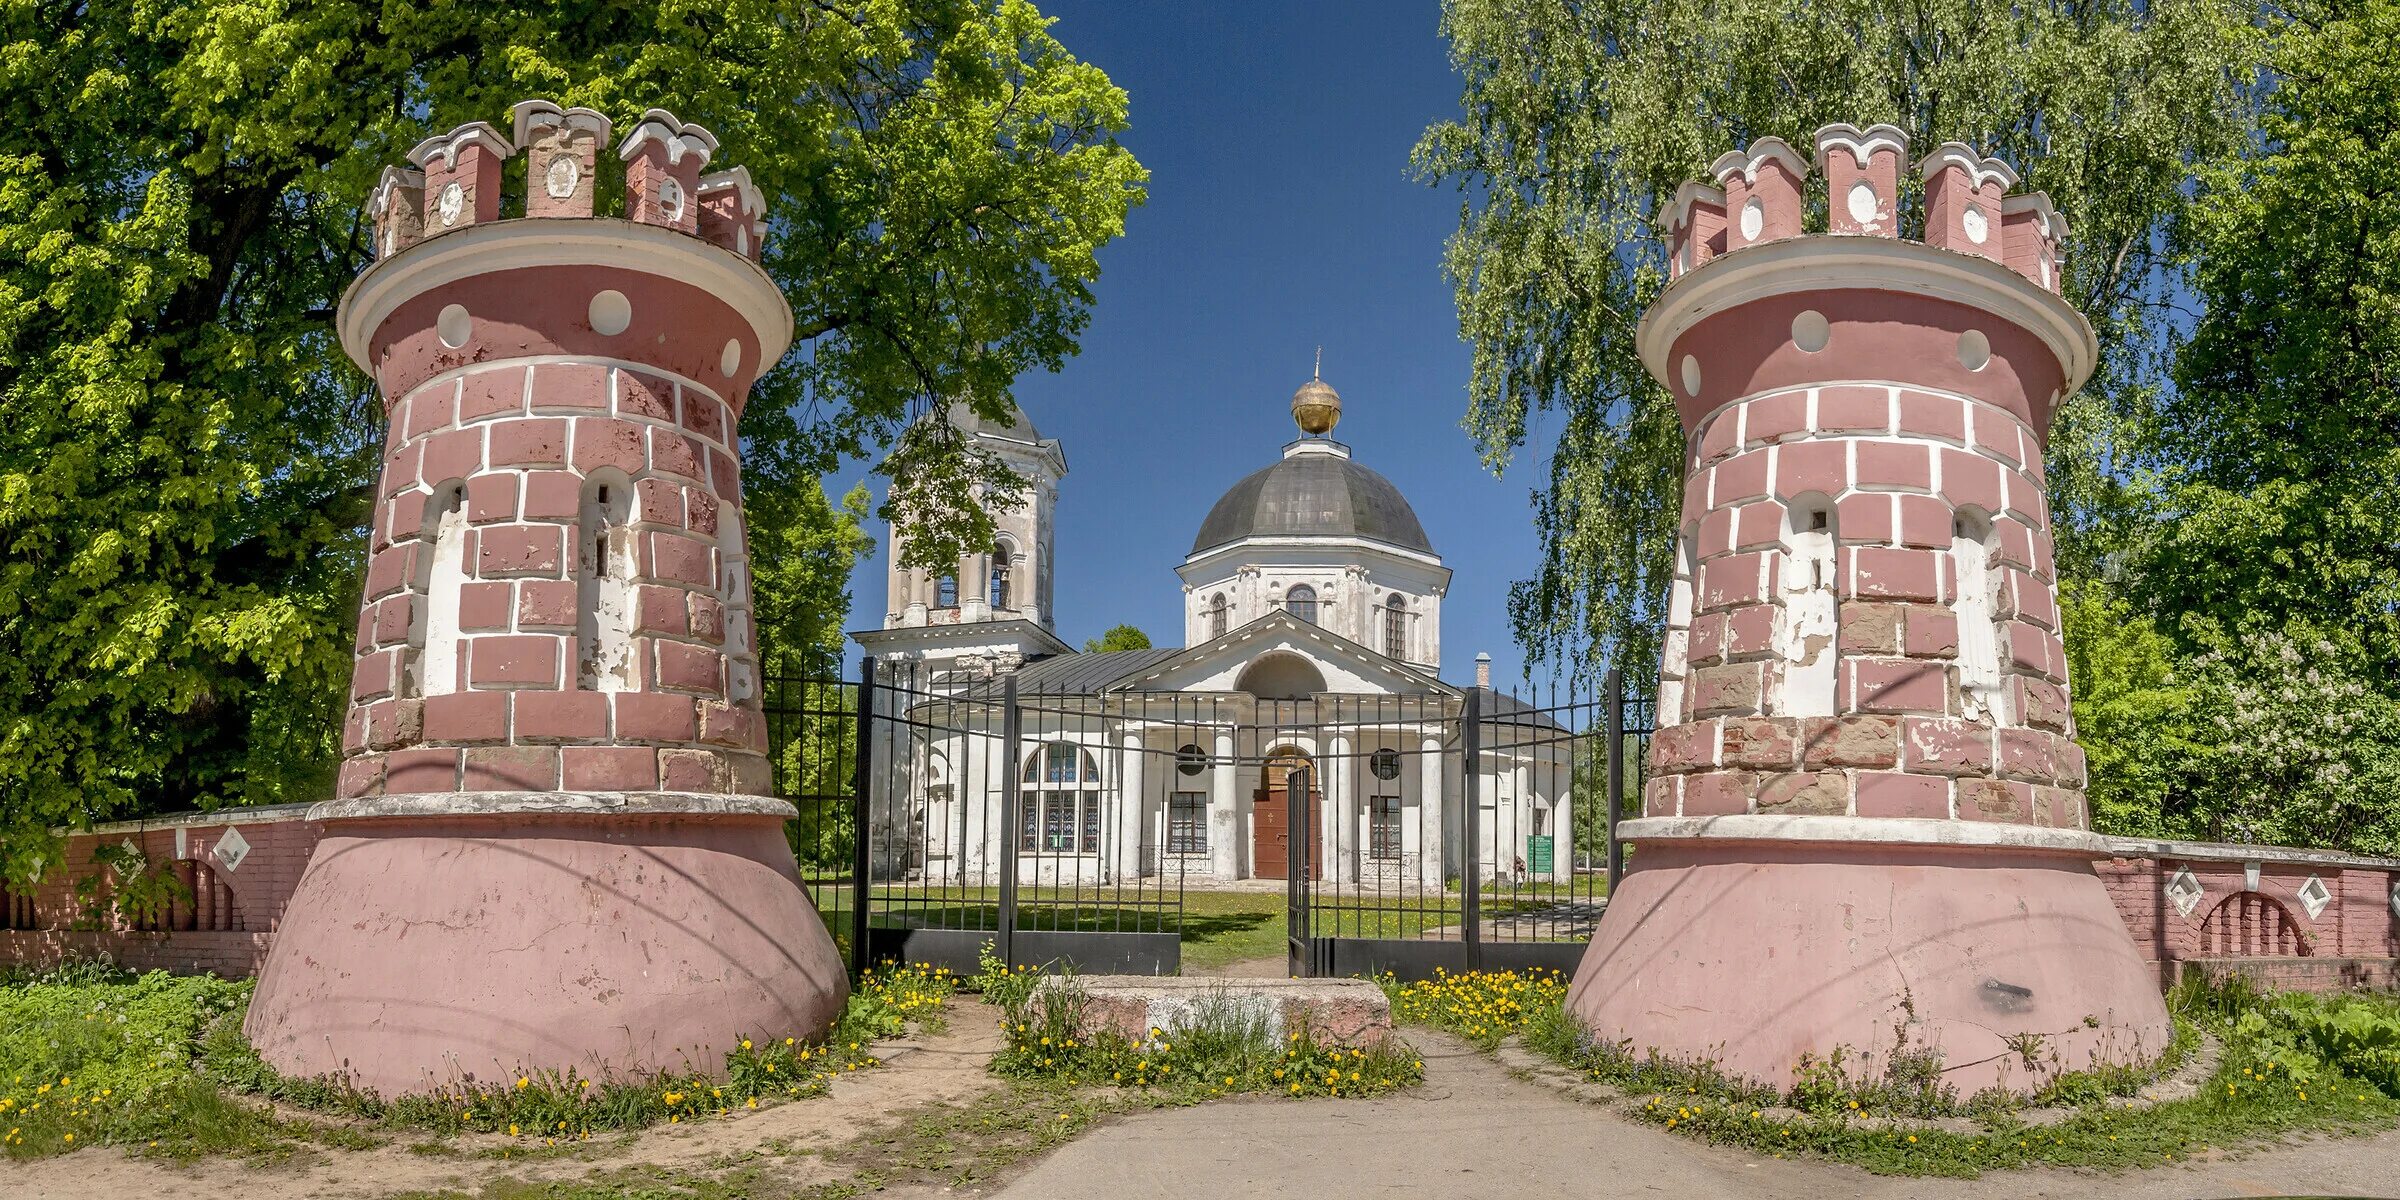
1055	819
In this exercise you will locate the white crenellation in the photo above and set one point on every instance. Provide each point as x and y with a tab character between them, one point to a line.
680	137
448	146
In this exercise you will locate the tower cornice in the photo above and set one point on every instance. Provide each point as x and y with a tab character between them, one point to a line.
534	242
1833	263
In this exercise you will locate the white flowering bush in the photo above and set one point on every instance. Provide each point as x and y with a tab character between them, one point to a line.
2302	749
2266	735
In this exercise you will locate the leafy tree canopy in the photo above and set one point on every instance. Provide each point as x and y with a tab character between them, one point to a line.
1580	119
1118	637
185	457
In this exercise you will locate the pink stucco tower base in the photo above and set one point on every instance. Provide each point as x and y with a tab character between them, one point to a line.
1865	827
553	844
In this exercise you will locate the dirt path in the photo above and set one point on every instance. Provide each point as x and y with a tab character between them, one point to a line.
917	1070
1474	1131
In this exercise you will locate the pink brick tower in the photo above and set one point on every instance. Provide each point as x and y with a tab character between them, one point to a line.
554	843
1865	822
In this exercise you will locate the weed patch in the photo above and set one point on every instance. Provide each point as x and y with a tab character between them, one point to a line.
559	1106
2290	1064
159	1063
99	1055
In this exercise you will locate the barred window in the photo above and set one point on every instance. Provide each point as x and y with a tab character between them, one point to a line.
1383	828
1187	823
1395	627
1061	800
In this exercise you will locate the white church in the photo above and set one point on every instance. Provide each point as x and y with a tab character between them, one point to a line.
1312	623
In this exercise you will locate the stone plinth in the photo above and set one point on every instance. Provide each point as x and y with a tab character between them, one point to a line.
1864	825
1336	1012
607	933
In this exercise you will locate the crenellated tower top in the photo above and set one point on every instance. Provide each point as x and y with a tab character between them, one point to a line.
1759	197
457	181
1983	282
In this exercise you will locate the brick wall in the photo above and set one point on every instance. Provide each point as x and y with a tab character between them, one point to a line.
227	928
2353	942
2268	934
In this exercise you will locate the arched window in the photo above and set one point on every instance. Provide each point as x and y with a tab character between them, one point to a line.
1061	800
1301	602
1395	627
945	592
1003	559
1216	615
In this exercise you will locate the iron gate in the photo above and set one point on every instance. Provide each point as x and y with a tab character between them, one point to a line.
1527	850
1057	822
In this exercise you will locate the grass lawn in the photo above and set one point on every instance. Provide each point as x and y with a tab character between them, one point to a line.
1218	927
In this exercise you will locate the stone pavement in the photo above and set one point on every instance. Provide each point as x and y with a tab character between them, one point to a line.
1474	1132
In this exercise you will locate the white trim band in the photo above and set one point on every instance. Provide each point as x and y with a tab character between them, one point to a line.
1883	831
555	804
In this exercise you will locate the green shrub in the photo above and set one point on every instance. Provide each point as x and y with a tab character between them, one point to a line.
94	1054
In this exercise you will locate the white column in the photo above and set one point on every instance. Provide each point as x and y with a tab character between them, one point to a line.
1132	801
1340	831
1224	832
1429	812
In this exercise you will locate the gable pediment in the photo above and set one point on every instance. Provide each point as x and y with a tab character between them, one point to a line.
1282	656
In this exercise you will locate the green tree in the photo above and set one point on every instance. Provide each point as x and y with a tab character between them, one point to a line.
1118	637
802	546
1580	119
2279	445
2136	720
185	454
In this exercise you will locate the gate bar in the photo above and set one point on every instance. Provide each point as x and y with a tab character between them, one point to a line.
862	778
1011	820
1616	775
1470	881
1300	934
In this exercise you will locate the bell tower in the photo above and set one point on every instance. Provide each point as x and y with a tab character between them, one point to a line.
1866	801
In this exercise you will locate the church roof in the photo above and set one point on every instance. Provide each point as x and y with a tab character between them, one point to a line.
1316	491
1086	673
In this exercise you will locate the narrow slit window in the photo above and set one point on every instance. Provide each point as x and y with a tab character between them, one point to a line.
1981	687
435	670
605	595
1808	612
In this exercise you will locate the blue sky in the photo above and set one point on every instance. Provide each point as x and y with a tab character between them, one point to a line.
1282	216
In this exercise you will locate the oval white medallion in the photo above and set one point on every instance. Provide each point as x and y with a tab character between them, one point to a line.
450	203
1976	225
453	325
611	312
731	360
1691	376
670	199
1862	202
1974	350
1754	220
1810	330
560	179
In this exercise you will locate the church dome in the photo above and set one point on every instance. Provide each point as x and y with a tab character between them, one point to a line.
1316	491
